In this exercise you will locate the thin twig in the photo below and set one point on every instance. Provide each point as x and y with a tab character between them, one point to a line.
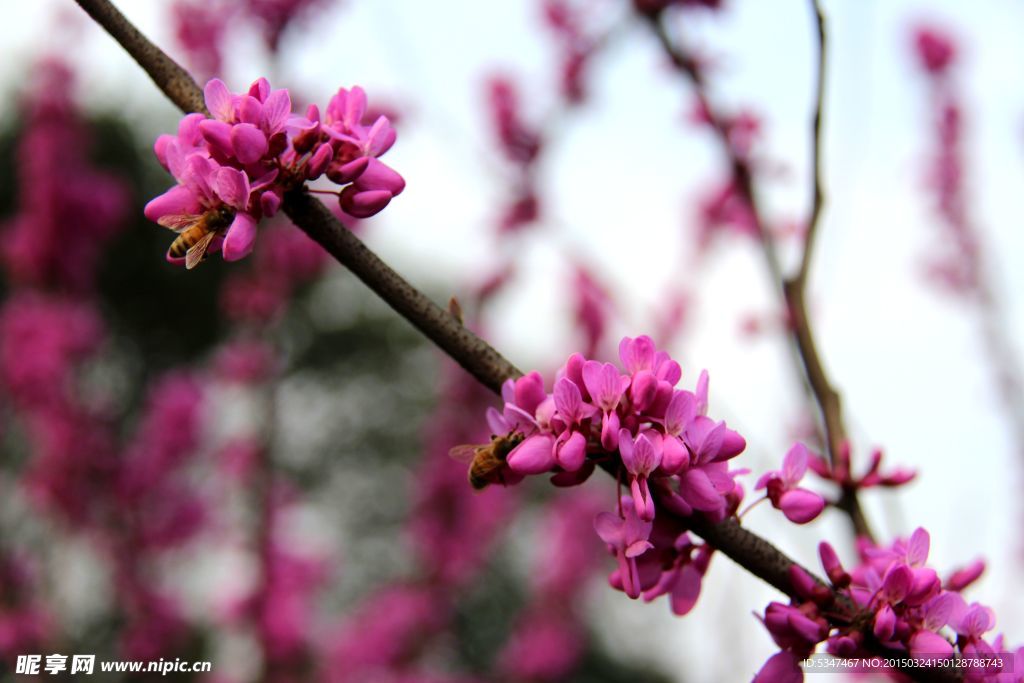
818	199
826	397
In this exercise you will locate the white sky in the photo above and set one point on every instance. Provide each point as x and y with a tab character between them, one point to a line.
908	363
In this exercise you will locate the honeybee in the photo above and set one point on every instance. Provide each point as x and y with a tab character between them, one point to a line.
195	233
487	460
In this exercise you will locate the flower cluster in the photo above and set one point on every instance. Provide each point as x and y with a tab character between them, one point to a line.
636	422
233	169
900	603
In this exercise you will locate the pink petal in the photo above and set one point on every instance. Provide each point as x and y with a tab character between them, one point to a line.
697	489
807	628
270	202
218	135
938	611
276	108
885	624
218	99
568	400
573	452
896	582
642	500
188	128
917	547
976	621
232	186
381	137
347	173
925	586
686	591
680	412
240	238
380	176
646	457
924	643
762	482
496	422
248	142
643	389
732	445
801	506
962	578
355	106
609	431
702	393
674	456
250	110
794	465
260	88
668	370
609	527
533	456
160	148
603	385
529	391
364	204
637	548
636	354
318	163
176	201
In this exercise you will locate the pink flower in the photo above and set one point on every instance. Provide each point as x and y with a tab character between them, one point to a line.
682	580
798	504
605	385
641	457
627	537
234	169
357	146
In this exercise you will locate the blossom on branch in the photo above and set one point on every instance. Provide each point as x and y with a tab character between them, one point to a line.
632	420
898	602
234	168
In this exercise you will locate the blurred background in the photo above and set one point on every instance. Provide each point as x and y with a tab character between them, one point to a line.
248	463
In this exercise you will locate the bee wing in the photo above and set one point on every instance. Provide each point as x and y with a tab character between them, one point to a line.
464	452
178	222
197	251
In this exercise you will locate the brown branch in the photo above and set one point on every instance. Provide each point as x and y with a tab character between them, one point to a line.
750	551
826	397
818	199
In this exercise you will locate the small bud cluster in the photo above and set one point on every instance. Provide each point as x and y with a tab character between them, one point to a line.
234	168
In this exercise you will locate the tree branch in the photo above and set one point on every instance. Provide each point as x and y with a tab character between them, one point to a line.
818	196
791	290
747	549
